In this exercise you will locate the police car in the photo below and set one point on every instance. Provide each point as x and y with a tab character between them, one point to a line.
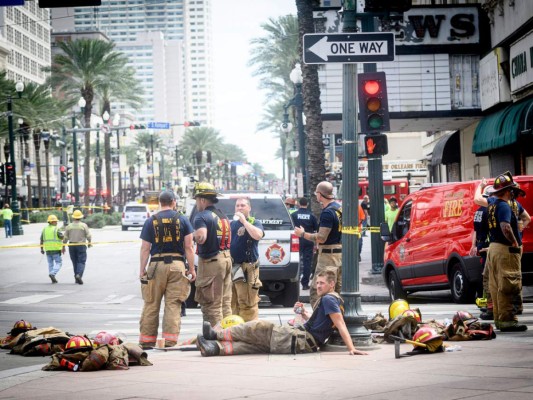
278	250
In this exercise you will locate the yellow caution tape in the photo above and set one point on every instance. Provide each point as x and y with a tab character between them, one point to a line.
29	246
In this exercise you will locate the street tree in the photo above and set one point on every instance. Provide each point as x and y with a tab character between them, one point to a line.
82	68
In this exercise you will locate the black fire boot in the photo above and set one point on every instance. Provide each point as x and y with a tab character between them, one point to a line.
208	332
208	348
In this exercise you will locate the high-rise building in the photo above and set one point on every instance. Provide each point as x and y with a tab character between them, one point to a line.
25	42
168	43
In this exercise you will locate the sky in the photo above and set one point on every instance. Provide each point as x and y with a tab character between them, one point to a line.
238	101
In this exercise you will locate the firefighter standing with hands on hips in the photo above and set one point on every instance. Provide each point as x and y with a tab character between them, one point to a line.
167	242
78	235
213	236
52	245
246	232
328	238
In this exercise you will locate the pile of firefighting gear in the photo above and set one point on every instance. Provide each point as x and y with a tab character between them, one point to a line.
74	353
406	324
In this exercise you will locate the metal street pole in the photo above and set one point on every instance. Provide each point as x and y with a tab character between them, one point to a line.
98	170
152	160
176	154
16	226
119	172
138	175
77	204
353	316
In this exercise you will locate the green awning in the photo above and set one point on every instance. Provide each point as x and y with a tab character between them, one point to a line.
502	128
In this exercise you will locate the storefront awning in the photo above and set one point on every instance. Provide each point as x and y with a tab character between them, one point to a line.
503	128
446	150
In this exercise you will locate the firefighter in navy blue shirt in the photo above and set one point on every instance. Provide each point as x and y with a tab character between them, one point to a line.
213	236
246	232
167	242
306	220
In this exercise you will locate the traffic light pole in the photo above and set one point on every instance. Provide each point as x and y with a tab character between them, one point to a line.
354	315
64	183
16	227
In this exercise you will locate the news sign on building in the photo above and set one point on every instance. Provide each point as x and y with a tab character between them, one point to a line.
521	64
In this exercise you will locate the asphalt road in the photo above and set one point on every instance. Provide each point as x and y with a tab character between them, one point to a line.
110	297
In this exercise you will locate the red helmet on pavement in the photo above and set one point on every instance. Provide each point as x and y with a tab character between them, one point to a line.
463	316
19	327
104	337
413	312
425	334
78	343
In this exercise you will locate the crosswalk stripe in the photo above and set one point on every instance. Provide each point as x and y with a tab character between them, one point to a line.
36	298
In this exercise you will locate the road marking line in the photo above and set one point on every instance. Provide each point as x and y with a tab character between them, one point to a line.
36	298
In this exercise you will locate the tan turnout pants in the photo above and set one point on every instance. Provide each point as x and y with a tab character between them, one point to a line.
331	261
245	299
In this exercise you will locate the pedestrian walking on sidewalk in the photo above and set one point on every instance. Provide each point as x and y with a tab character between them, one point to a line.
78	236
52	245
303	218
7	216
328	238
166	244
213	236
265	337
246	231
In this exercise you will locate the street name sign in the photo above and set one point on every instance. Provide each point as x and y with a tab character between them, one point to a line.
348	48
158	125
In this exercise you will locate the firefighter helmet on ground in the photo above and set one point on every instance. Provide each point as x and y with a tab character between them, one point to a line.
204	189
464	316
428	336
19	327
77	214
231	320
104	337
397	307
52	218
413	312
78	343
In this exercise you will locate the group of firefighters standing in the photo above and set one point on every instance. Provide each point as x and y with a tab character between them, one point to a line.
227	280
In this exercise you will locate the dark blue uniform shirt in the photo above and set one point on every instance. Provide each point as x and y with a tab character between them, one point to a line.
330	219
501	211
240	250
321	325
183	228
481	227
217	232
305	219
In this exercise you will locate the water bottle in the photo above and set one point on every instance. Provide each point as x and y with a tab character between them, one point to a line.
455	347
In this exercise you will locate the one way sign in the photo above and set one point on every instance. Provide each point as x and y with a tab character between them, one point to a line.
348	48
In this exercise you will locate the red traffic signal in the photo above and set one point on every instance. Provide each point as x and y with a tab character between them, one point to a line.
373	102
11	178
187	124
376	145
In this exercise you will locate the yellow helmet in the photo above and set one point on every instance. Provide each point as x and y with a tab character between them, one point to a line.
204	189
77	214
52	218
397	307
231	320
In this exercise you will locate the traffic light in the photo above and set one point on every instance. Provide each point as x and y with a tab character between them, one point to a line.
376	145
373	103
2	175
186	124
69	173
387	5
137	127
63	173
68	3
10	174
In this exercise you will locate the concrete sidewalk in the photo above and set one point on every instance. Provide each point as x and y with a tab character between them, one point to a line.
495	369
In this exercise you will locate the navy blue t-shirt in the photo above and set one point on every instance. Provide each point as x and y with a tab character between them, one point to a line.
481	227
305	219
183	228
330	219
501	211
218	231
321	326
240	250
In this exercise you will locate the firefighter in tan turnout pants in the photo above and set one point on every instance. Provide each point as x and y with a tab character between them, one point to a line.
213	236
328	237
167	241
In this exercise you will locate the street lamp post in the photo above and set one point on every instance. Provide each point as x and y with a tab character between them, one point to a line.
152	160
138	175
116	122
98	170
77	205
16	226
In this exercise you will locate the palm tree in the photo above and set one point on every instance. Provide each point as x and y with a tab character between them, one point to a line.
311	96
124	88
84	68
196	141
148	141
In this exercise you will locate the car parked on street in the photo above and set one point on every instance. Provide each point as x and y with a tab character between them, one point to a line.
134	215
278	250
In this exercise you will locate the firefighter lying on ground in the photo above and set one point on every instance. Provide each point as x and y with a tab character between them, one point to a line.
264	337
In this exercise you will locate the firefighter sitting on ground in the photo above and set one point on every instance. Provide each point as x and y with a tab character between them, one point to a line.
265	337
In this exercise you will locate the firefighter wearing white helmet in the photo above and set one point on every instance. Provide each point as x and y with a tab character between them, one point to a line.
213	236
78	236
51	244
